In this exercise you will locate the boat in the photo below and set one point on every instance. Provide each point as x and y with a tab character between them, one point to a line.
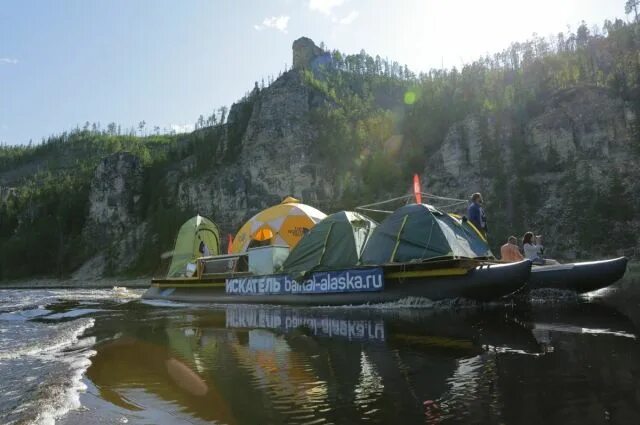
579	277
438	280
345	258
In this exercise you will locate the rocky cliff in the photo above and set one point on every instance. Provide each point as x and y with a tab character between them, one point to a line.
271	162
584	136
113	230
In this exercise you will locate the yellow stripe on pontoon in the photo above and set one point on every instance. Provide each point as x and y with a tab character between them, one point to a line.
427	273
392	275
189	285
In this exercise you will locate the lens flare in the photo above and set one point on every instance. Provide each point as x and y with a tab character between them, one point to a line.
409	98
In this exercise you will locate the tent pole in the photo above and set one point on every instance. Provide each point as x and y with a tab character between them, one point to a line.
395	248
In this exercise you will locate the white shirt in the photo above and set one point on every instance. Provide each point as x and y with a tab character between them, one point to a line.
531	251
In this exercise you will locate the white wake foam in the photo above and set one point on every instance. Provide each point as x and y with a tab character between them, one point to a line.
41	366
22	315
72	313
166	303
12	300
37	338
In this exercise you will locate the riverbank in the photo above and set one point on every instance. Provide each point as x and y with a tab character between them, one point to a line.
76	283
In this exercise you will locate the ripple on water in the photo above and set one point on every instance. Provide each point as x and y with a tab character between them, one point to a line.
552	296
19	299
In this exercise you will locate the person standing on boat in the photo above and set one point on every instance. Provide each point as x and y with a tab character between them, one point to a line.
476	213
510	252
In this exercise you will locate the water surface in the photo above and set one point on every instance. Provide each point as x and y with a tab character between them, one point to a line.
105	356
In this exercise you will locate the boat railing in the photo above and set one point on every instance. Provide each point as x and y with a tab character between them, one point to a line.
260	260
442	203
222	264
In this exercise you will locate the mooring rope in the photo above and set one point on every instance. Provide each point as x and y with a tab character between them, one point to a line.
452	205
372	210
453	202
444	198
385	202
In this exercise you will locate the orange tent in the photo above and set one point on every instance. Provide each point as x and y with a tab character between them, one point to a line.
282	224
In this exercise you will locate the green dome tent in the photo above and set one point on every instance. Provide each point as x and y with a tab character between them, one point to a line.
334	243
418	232
187	247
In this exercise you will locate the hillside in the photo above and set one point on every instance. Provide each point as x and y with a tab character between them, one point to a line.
547	130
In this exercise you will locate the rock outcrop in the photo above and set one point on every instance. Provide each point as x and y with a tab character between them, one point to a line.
305	52
583	127
113	229
582	132
273	160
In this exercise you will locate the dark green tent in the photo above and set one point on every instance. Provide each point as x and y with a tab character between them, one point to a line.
334	243
419	231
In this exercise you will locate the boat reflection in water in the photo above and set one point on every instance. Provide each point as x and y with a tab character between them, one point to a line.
256	364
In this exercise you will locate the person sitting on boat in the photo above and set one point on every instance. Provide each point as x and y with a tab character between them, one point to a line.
539	244
204	249
510	252
476	213
533	251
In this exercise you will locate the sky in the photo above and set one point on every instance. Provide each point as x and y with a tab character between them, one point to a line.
65	62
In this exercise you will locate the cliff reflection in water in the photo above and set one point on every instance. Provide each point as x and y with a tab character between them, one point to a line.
246	364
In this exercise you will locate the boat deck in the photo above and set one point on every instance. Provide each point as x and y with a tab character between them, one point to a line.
437	267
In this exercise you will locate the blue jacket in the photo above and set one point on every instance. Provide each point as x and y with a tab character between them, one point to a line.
477	217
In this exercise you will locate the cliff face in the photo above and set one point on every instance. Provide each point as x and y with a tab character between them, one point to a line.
271	162
113	230
583	128
304	53
583	136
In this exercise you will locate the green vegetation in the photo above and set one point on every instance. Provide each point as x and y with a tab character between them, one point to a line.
42	218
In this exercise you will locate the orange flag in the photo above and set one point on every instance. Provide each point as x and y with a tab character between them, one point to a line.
229	244
417	192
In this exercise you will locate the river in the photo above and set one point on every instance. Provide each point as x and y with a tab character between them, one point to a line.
96	356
